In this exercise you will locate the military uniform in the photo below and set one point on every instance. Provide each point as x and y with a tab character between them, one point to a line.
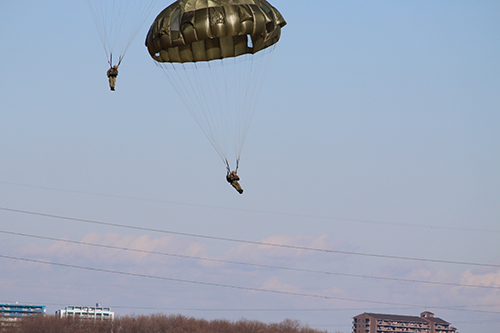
232	178
112	74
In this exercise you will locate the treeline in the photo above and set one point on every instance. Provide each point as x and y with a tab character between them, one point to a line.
157	323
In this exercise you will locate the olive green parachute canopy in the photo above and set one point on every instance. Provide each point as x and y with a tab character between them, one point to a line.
203	30
215	54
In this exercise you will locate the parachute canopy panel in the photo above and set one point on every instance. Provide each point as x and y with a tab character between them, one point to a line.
204	30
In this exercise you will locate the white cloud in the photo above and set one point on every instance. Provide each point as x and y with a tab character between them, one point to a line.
271	278
491	279
294	249
112	250
275	283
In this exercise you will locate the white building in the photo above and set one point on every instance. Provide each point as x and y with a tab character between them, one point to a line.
86	312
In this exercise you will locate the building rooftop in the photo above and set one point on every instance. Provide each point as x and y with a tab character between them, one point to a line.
391	317
424	318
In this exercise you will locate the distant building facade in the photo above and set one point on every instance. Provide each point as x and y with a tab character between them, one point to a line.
12	312
383	323
86	312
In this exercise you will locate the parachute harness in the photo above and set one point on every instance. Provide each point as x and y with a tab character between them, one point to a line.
229	169
110	61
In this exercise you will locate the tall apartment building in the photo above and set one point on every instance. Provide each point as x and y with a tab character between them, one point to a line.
86	312
383	323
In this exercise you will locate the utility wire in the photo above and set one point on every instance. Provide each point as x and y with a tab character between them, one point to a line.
250	242
365	309
221	285
221	309
308	216
248	264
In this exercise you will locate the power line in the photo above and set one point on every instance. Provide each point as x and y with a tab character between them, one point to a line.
217	309
248	264
373	255
269	212
365	309
221	285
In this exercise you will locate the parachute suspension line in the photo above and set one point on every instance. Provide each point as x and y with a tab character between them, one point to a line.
119	61
229	92
247	71
257	67
98	14
245	74
207	113
140	14
118	22
184	79
221	96
110	61
228	168
212	82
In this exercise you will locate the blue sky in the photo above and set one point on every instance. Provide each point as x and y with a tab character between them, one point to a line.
376	136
